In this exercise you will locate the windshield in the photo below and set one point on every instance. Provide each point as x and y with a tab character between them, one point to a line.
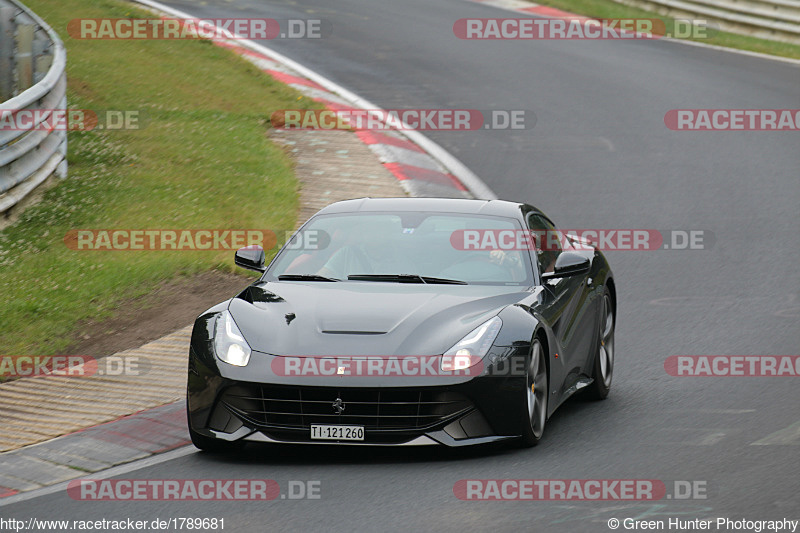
398	247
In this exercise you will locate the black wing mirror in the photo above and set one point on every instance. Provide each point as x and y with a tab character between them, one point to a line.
251	258
568	264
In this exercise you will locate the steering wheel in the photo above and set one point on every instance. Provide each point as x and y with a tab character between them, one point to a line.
347	260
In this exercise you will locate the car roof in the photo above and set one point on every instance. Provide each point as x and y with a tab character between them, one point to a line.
441	205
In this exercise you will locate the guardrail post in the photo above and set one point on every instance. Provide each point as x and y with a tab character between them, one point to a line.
61	170
42	58
6	52
25	56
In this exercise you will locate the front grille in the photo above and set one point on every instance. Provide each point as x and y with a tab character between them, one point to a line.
290	407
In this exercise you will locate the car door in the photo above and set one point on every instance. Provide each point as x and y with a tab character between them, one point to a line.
565	302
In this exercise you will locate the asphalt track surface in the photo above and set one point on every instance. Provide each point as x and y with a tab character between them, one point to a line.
599	156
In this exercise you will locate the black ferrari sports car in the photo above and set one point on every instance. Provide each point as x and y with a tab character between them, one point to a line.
405	321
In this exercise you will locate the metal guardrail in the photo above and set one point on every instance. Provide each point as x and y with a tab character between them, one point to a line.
776	20
32	77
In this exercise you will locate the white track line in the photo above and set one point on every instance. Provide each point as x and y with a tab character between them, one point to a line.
103	474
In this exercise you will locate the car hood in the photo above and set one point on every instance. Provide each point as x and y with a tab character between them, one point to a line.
364	318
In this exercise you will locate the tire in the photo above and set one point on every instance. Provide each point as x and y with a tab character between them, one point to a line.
603	370
537	393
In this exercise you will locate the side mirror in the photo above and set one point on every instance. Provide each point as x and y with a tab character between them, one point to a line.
251	258
568	264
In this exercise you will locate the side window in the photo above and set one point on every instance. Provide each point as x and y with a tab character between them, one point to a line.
547	242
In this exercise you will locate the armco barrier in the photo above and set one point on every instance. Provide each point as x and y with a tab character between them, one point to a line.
776	20
32	76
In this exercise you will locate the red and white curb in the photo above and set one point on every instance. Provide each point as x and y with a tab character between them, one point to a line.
95	449
521	6
423	167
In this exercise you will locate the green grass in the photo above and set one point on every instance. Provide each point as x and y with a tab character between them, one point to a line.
613	10
202	161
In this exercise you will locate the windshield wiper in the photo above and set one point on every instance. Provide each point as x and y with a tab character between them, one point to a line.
304	277
405	278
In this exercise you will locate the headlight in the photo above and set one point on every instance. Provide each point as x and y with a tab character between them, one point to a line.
229	343
473	348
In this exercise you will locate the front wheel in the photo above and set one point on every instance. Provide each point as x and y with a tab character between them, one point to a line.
535	397
604	353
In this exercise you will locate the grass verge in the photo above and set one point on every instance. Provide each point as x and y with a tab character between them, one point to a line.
202	161
613	10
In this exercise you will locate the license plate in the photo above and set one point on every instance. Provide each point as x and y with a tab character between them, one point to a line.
324	432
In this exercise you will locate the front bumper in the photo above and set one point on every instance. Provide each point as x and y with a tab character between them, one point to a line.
254	404
390	416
